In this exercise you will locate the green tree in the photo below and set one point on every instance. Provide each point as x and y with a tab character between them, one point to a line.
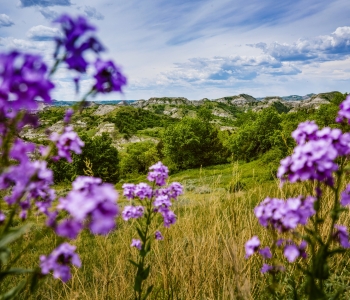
192	143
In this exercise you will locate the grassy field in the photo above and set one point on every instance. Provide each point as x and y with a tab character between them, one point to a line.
202	255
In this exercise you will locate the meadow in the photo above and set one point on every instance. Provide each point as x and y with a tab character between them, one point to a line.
202	257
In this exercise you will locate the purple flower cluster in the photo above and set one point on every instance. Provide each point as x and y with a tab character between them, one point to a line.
345	196
136	243
342	236
90	203
76	41
28	180
59	261
344	111
314	156
66	142
158	174
161	197
108	77
23	80
285	215
292	251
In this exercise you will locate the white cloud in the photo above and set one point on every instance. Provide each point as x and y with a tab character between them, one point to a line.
92	13
48	13
5	21
42	33
44	3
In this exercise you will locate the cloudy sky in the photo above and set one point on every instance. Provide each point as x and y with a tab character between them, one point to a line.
199	48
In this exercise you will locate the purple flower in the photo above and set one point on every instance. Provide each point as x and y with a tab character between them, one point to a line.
66	142
158	174
344	111
108	77
136	243
158	235
284	215
129	190
342	235
143	190
93	201
69	228
252	246
59	261
174	190
345	196
265	252
21	149
68	115
169	216
306	131
23	79
162	201
132	212
266	268
291	252
75	41
2	217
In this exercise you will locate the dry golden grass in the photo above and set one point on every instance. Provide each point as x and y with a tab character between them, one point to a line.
202	256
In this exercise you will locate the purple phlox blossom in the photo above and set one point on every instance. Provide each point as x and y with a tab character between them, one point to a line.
143	190
345	196
265	252
2	217
69	228
284	215
92	200
266	268
292	251
162	201
169	217
313	160
132	212
306	131
68	115
344	111
20	150
108	77
158	174
158	235
174	190
29	181
59	261
76	41
136	243
129	190
23	80
342	236
252	246
66	142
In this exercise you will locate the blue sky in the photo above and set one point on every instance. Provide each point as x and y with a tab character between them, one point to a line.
199	48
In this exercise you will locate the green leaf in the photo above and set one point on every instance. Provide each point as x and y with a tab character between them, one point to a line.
145	273
148	292
140	233
11	294
134	263
13	235
4	255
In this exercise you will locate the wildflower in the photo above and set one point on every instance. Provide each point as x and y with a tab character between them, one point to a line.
68	115
59	261
265	252
266	268
92	200
143	190
136	243
75	41
108	77
158	174
342	235
345	196
158	235
252	246
132	212
174	190
344	111
306	131
23	79
66	142
129	190
291	252
162	201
